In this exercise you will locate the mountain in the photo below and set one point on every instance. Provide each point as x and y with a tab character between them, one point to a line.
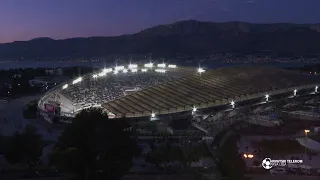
189	38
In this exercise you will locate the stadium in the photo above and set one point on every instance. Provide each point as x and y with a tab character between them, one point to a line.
161	91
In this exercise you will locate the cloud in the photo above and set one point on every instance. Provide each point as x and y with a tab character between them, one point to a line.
250	1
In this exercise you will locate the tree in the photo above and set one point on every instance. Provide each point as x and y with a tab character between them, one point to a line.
230	162
94	147
24	148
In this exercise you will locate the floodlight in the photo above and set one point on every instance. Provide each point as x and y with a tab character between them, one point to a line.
102	73
162	65
95	76
232	103
316	89
295	92
160	70
115	72
194	109
134	70
149	65
153	115
172	66
267	97
125	71
200	70
107	70
144	70
133	66
117	68
65	86
77	80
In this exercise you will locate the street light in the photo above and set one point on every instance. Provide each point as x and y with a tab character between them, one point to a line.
316	89
306	131
232	103
267	97
295	92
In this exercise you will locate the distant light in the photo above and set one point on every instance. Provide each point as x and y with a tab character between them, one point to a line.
107	70
306	131
95	76
144	70
153	115
65	86
245	155
117	68
134	70
295	92
133	66
200	70
115	72
316	89
102	73
160	70
232	103
194	109
267	97
77	80
162	65
125	70
149	65
250	156
172	66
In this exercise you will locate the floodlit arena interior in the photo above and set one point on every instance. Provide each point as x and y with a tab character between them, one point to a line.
161	91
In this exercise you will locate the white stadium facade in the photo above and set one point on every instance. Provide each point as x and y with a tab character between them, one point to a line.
156	91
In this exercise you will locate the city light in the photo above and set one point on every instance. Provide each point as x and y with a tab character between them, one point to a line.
200	70
194	109
115	72
153	115
295	92
65	86
125	71
316	89
144	70
133	66
95	76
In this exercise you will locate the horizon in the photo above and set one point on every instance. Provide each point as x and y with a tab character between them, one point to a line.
85	37
25	20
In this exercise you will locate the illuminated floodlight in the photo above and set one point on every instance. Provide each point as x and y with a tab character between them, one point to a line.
107	70
295	92
133	66
316	89
267	97
134	70
65	86
95	76
115	72
125	70
172	66
194	109
118	68
77	80
200	70
153	115
232	103
144	70
102	74
162	65
149	65
160	70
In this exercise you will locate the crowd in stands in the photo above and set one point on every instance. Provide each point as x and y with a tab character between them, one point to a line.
102	89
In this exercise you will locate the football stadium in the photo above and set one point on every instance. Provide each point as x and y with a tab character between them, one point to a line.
161	91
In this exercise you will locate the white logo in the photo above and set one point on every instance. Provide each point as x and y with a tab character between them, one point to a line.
266	163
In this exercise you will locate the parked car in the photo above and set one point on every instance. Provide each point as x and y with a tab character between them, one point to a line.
278	171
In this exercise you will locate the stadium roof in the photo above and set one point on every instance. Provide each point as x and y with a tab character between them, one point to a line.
209	89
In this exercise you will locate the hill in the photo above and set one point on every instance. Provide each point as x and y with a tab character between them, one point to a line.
189	38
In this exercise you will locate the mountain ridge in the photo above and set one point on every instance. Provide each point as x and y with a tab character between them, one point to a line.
188	37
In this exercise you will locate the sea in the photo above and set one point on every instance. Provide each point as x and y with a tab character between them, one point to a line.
5	65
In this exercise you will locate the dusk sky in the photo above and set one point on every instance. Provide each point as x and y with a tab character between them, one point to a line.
59	19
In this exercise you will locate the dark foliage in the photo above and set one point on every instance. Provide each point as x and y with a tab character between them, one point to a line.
93	147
